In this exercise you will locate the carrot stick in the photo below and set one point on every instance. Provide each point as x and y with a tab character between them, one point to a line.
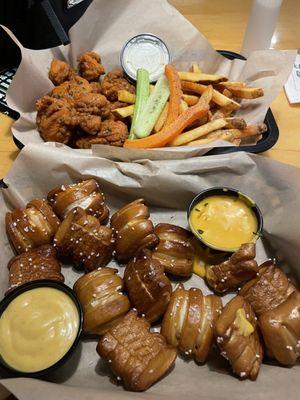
166	135
175	94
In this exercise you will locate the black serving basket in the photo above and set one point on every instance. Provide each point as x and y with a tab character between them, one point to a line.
268	140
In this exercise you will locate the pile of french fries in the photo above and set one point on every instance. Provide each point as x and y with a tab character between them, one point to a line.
219	123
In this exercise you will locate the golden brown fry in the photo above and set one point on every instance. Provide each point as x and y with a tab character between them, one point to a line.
199	77
183	106
220	134
126	97
222	112
195	68
227	93
124	111
196	133
162	118
232	83
217	97
190	99
244	92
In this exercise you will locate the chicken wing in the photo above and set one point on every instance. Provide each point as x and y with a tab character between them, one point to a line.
60	72
90	66
113	82
55	119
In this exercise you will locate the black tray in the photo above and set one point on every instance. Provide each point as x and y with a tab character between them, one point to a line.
269	138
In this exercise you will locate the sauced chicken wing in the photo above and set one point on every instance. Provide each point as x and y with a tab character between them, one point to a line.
113	82
90	66
60	72
138	357
55	119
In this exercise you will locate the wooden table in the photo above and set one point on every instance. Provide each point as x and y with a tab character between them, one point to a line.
223	23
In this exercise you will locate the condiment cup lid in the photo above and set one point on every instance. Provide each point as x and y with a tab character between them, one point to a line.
144	51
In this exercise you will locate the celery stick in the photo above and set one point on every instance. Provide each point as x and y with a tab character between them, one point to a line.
142	94
153	108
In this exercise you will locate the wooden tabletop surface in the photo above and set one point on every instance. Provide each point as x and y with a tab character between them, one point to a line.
223	23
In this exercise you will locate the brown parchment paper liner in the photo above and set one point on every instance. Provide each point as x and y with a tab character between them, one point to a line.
105	27
168	186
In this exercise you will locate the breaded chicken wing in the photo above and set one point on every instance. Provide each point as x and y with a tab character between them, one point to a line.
60	72
113	133
113	82
55	119
90	66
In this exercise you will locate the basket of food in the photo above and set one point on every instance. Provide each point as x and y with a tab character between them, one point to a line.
156	90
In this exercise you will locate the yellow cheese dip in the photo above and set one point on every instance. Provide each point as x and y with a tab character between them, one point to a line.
37	329
223	222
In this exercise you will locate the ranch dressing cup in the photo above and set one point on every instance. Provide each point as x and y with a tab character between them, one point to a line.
145	51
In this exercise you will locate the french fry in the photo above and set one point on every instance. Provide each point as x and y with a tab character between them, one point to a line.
244	92
195	68
190	99
222	112
162	118
227	93
200	77
196	133
183	106
220	134
235	122
124	111
232	83
126	97
218	97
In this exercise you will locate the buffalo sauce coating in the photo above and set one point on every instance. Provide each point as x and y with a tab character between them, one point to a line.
37	329
224	222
